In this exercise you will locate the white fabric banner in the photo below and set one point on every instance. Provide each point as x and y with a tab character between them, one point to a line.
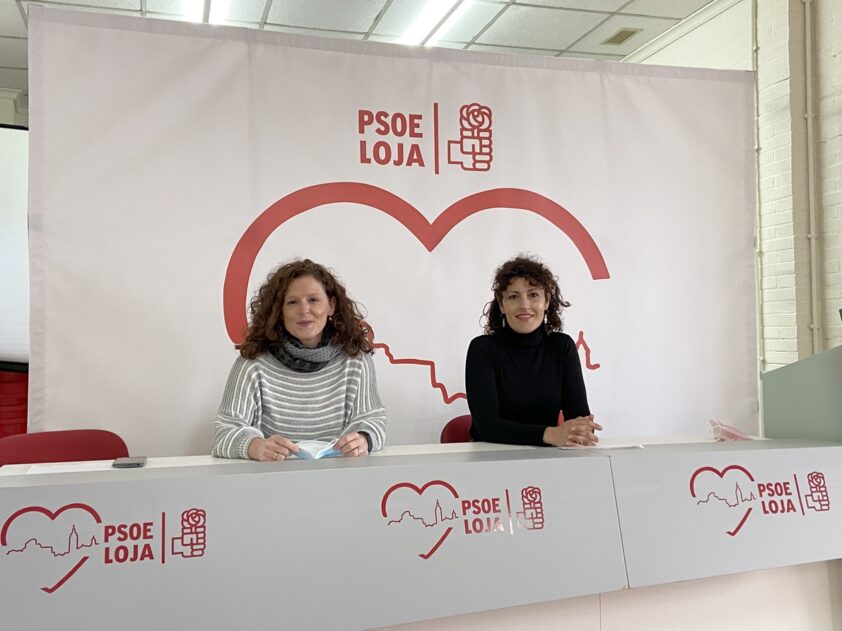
174	165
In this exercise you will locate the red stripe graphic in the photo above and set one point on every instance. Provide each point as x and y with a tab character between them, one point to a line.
436	137
438	544
447	398
435	383
798	493
64	579
734	532
581	343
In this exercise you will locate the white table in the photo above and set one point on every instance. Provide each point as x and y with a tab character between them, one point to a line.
412	533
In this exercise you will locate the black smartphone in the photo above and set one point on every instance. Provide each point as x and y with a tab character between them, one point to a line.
129	463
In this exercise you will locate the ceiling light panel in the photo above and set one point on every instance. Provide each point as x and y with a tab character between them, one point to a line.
673	9
608	6
433	14
243	10
339	15
403	13
649	29
167	7
193	10
471	22
219	10
400	15
537	27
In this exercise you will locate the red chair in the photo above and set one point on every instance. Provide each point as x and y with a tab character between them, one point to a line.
457	430
62	446
13	397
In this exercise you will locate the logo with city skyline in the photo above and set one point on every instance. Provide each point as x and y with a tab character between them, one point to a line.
67	537
54	545
437	509
736	491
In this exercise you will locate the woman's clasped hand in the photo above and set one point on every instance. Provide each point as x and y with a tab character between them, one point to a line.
577	432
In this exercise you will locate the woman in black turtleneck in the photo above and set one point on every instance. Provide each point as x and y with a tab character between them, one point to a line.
524	373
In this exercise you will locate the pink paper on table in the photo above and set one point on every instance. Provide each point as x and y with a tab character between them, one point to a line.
723	431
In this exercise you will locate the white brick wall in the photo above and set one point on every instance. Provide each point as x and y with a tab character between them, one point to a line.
777	219
784	67
828	70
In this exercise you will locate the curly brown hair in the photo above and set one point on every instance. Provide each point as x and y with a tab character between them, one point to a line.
536	273
266	326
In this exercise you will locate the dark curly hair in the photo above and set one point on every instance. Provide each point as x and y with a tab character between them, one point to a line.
532	270
266	326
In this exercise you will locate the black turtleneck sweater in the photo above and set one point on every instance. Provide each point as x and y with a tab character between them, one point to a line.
517	384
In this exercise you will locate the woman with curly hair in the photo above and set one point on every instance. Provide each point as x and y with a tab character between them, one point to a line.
304	372
523	377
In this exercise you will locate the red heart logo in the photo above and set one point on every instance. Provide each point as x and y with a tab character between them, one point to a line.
420	491
235	290
721	475
52	516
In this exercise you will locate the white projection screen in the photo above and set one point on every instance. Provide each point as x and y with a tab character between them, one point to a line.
14	263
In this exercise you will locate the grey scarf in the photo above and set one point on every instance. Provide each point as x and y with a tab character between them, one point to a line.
294	355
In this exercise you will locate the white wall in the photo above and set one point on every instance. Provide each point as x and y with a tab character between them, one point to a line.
797	598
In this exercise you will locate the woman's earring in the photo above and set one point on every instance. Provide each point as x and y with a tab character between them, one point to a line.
504	319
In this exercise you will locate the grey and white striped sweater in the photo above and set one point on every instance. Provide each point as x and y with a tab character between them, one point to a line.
263	398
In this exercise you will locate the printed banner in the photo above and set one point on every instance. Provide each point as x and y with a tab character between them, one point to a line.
724	510
173	166
445	539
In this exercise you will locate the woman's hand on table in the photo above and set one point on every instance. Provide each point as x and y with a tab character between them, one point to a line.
352	444
272	448
577	432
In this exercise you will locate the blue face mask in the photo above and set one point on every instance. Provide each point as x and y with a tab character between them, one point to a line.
315	449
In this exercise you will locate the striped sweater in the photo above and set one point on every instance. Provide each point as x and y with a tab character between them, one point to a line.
263	398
